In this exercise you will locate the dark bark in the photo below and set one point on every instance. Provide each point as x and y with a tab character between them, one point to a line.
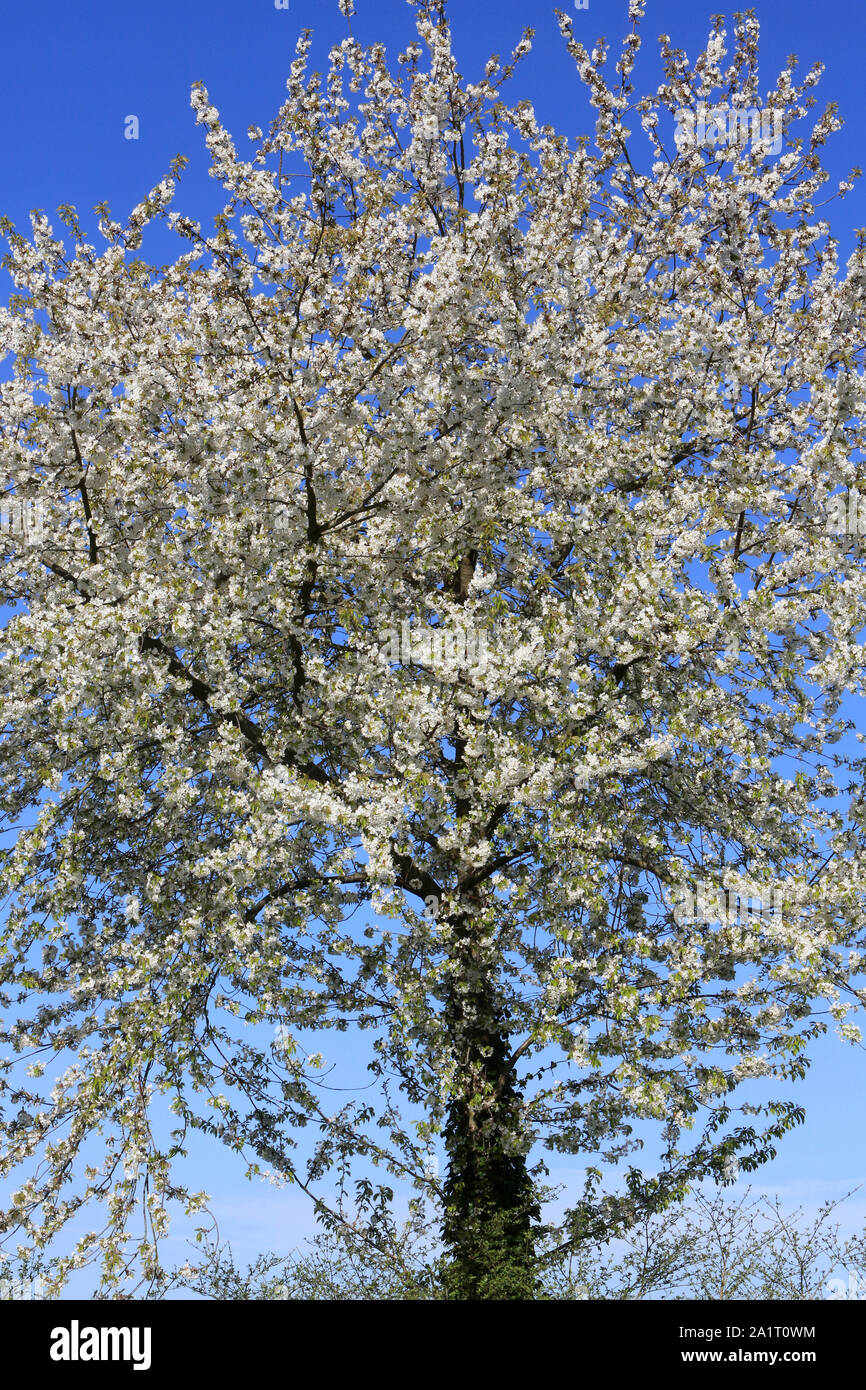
490	1199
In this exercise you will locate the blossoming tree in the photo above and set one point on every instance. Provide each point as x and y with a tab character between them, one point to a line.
431	587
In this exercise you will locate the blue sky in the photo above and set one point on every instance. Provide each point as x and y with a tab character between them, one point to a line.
73	74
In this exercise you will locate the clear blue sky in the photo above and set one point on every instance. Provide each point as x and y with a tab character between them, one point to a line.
72	74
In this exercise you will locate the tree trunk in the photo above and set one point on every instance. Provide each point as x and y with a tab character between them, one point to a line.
490	1200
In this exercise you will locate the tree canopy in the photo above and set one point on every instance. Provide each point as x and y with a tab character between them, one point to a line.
432	591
